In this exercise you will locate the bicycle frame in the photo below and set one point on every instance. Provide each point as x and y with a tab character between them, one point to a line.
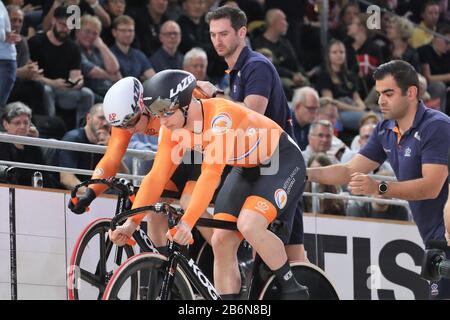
189	267
192	271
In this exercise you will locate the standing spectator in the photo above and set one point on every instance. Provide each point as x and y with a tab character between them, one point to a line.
16	120
96	131
305	104
196	62
430	18
284	57
435	59
148	22
253	78
415	140
98	64
47	49
114	8
8	39
340	84
168	56
255	82
27	87
133	62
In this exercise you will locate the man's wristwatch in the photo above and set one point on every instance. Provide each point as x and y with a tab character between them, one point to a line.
382	187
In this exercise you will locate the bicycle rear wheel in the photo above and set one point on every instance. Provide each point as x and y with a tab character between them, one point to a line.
319	286
93	261
149	269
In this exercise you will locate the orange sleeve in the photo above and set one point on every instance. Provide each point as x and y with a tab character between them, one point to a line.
203	192
110	162
153	184
215	156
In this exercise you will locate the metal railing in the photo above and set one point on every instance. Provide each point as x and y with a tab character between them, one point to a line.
81	147
137	155
74	146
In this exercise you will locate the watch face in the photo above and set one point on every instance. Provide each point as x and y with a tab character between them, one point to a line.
383	187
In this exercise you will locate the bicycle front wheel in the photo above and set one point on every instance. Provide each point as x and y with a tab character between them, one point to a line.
319	286
149	269
93	261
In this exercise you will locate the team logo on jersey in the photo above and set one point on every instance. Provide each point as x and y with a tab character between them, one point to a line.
280	198
221	123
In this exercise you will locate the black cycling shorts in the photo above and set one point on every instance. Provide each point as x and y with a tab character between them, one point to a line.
264	182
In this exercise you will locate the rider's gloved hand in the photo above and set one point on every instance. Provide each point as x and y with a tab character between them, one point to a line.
79	204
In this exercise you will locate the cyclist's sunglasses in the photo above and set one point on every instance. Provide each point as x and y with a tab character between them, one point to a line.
161	107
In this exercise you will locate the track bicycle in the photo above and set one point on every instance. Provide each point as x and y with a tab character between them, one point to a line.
175	276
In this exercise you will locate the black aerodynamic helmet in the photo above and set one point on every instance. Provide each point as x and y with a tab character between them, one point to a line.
168	90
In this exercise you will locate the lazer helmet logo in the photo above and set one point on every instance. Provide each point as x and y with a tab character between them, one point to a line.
181	86
280	198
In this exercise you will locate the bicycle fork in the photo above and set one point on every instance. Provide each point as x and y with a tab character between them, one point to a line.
169	275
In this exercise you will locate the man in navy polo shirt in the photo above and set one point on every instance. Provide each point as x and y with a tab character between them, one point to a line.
253	78
415	140
255	82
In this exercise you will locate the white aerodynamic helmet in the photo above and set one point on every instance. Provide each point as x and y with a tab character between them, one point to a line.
123	103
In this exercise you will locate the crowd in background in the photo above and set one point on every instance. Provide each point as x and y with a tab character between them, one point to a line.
53	78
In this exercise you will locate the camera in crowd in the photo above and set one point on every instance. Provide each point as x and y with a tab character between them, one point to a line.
435	264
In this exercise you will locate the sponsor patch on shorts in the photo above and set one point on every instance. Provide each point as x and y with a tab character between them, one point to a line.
280	198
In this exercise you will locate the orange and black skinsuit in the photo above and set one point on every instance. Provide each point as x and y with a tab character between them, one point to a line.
268	167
